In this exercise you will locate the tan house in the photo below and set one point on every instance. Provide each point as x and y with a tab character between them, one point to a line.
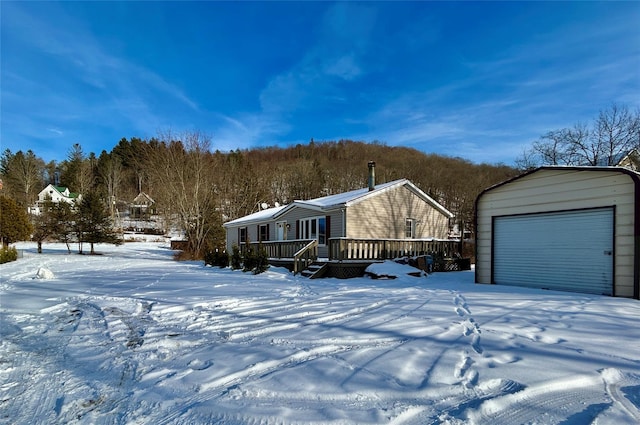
630	160
562	228
396	210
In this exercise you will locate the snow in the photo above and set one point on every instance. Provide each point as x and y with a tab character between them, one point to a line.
131	336
261	215
325	202
351	196
43	273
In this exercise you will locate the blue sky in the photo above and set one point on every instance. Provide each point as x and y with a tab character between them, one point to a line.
478	80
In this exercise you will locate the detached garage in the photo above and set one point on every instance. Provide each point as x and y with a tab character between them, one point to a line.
562	228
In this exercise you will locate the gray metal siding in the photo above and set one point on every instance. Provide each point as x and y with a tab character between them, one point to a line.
568	250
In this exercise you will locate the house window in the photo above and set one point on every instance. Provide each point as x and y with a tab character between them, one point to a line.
263	232
409	228
314	228
242	235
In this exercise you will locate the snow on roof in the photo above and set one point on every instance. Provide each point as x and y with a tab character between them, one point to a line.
335	201
256	216
348	197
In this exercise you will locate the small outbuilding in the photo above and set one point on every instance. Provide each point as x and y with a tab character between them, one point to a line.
142	207
562	228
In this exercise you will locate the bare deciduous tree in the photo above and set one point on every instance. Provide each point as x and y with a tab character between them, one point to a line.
109	170
23	175
182	174
613	133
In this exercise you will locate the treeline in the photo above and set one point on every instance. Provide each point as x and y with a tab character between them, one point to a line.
199	187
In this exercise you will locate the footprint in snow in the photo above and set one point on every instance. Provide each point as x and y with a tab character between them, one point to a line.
197	364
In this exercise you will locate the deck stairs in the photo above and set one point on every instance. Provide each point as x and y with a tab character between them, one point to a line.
314	270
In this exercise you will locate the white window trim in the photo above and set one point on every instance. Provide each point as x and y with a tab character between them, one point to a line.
303	228
411	222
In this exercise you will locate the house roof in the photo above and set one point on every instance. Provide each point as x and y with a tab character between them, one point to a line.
259	216
618	158
346	198
61	190
340	200
143	197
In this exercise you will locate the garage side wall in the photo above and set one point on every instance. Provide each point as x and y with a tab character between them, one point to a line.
548	190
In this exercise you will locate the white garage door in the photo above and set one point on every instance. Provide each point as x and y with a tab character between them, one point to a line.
569	251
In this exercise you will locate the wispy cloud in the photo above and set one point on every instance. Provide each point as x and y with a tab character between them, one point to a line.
428	75
511	98
98	87
340	42
56	131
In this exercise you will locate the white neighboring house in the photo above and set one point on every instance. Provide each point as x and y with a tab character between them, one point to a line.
55	194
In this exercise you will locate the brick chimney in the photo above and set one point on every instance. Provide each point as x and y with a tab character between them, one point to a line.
372	175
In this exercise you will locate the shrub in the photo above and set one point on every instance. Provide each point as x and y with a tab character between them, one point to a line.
254	260
249	259
8	254
236	258
216	258
262	261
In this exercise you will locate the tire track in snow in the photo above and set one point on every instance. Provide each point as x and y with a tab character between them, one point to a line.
329	347
555	401
614	381
221	385
65	399
398	407
250	328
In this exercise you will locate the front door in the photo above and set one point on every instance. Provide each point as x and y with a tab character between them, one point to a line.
281	230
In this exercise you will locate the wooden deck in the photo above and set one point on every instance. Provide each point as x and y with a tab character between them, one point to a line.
349	257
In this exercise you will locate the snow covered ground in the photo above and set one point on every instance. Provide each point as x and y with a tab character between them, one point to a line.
132	336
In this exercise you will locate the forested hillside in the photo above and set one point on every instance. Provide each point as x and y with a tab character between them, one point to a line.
202	187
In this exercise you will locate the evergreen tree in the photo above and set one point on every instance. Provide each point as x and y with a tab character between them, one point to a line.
63	223
236	258
93	224
44	224
14	222
76	170
262	260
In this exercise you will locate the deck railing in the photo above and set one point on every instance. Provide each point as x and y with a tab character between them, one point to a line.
305	256
302	252
282	249
386	249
